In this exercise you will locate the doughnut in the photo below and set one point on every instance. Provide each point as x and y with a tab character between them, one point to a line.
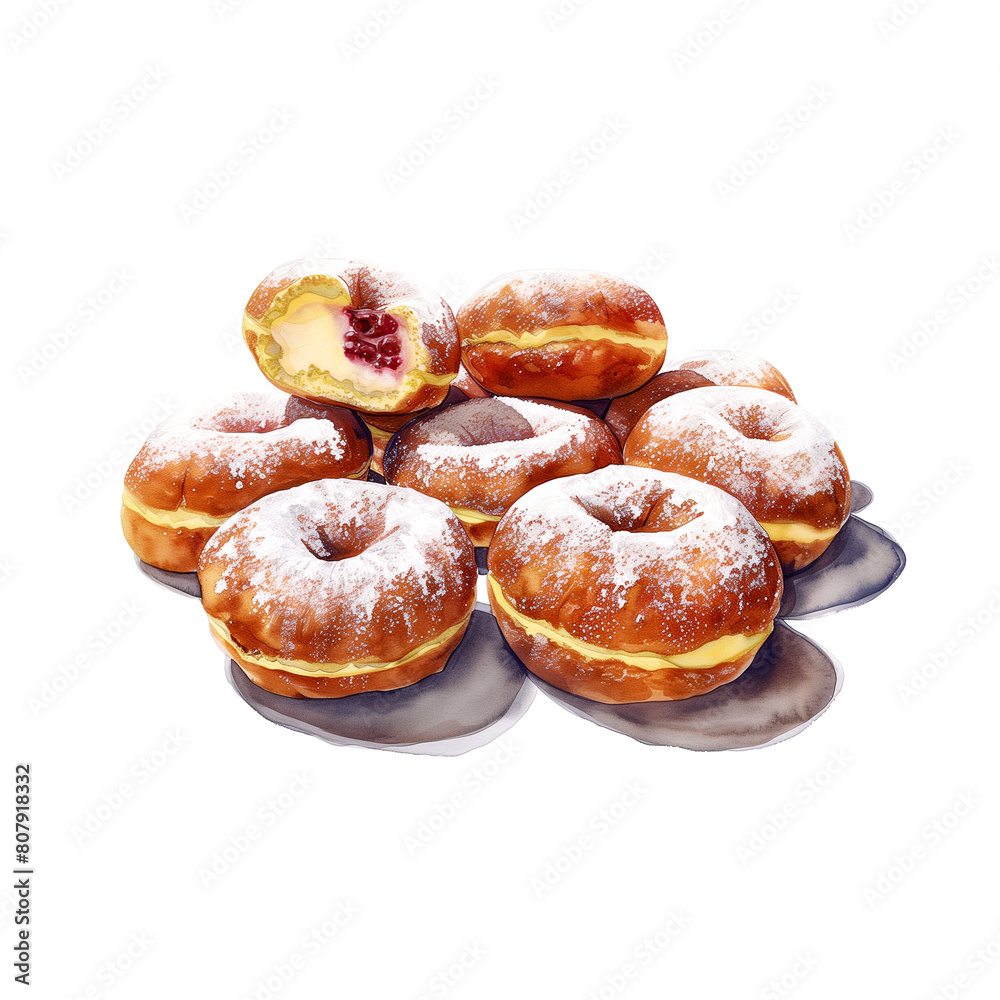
206	462
561	334
629	585
732	368
352	333
337	587
779	460
481	455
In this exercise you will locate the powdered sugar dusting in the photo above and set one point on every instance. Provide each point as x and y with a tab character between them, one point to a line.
727	367
489	477
554	430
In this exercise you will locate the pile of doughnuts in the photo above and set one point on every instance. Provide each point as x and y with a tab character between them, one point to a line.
639	509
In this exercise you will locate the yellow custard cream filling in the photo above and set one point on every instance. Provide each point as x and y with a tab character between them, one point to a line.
558	334
310	333
796	531
307	669
721	650
469	516
179	518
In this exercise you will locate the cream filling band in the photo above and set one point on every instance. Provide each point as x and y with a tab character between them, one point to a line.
469	516
559	334
352	669
796	531
182	517
179	518
706	656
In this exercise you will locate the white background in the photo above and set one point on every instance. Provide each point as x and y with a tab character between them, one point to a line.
588	144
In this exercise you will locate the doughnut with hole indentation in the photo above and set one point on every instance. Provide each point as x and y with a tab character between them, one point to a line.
628	585
770	453
337	587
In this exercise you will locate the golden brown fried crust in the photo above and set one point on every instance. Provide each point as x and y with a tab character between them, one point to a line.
173	549
798	555
534	300
624	412
587	369
609	680
302	686
538	302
